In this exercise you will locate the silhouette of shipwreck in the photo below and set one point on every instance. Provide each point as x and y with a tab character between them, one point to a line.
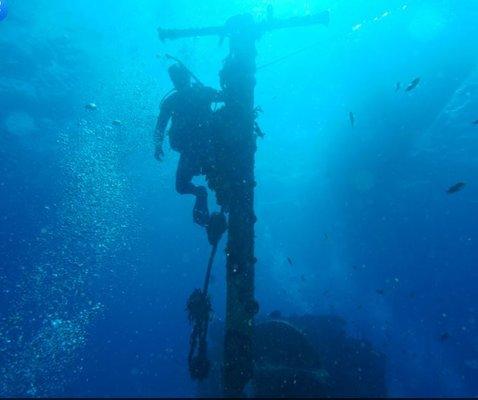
305	356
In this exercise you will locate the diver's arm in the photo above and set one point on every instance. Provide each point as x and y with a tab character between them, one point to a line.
160	132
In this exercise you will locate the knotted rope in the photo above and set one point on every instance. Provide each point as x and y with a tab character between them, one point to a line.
199	306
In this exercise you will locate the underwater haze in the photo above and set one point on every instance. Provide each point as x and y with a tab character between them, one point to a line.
366	197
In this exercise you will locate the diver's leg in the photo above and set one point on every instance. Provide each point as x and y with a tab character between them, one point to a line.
185	173
184	176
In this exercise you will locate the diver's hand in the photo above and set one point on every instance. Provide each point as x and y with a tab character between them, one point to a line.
159	153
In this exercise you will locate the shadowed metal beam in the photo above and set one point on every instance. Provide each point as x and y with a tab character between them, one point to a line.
261	27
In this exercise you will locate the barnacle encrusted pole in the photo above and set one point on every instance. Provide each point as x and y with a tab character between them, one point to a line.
235	182
238	83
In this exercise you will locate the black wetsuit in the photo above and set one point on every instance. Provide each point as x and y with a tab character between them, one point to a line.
190	113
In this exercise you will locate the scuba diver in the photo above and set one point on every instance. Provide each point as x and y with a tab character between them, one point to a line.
188	108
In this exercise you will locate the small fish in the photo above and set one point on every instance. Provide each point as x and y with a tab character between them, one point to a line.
326	236
303	278
116	122
444	337
413	84
381	292
398	86
413	295
352	119
289	260
91	107
475	122
457	187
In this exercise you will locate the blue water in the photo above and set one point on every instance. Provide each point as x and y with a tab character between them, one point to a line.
99	254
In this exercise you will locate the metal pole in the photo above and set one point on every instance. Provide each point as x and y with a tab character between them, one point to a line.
238	81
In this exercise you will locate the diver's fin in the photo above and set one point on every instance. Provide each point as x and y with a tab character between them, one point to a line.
216	227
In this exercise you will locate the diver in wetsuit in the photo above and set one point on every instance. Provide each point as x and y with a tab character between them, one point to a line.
189	109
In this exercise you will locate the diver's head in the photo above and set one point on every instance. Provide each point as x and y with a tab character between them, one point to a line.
180	76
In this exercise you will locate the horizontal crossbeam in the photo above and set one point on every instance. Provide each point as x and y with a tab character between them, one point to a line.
270	25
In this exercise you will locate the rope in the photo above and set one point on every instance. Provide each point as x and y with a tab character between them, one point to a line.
209	268
287	56
199	306
355	28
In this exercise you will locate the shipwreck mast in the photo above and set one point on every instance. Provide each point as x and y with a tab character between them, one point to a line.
237	191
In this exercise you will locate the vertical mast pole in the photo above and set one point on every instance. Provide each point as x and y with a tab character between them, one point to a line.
238	81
